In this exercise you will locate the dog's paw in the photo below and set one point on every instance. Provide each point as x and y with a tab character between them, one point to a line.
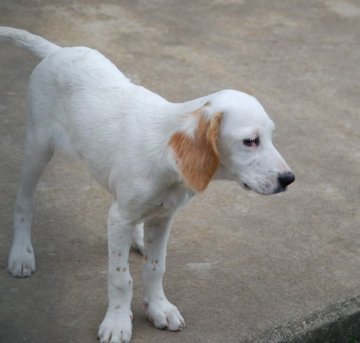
21	261
164	315
115	328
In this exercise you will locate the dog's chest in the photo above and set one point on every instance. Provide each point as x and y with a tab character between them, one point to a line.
168	201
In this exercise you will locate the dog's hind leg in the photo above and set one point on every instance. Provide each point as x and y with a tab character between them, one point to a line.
138	238
38	152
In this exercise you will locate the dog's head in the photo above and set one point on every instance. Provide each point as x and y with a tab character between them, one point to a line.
230	137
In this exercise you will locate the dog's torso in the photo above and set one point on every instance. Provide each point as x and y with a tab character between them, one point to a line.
119	129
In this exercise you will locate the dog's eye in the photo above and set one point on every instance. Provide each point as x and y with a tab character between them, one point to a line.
251	141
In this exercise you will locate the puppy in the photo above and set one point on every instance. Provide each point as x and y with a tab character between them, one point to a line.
150	154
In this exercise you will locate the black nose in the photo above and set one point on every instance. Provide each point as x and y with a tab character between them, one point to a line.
286	178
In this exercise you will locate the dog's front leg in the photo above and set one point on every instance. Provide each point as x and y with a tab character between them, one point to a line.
158	309
116	326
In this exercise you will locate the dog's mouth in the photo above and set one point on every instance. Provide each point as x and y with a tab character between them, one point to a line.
279	189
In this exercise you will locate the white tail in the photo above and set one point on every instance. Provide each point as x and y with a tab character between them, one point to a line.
37	45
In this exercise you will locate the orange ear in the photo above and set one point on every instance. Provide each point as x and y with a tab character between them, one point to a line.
198	156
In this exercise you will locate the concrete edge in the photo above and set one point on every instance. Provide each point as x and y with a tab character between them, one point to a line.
338	322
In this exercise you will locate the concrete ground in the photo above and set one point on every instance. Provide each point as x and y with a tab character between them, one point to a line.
241	267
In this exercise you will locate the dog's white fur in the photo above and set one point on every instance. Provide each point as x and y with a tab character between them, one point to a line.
150	154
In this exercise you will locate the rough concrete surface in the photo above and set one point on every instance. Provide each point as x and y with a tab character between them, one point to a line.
240	266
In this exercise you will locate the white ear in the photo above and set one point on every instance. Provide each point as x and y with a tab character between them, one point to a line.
198	156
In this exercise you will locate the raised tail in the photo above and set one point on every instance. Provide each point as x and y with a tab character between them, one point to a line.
37	45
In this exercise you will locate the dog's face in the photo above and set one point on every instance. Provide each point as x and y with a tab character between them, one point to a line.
245	145
230	137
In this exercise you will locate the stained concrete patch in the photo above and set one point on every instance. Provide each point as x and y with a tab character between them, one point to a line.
200	266
344	8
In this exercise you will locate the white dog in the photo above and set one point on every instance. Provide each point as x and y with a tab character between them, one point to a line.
151	154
